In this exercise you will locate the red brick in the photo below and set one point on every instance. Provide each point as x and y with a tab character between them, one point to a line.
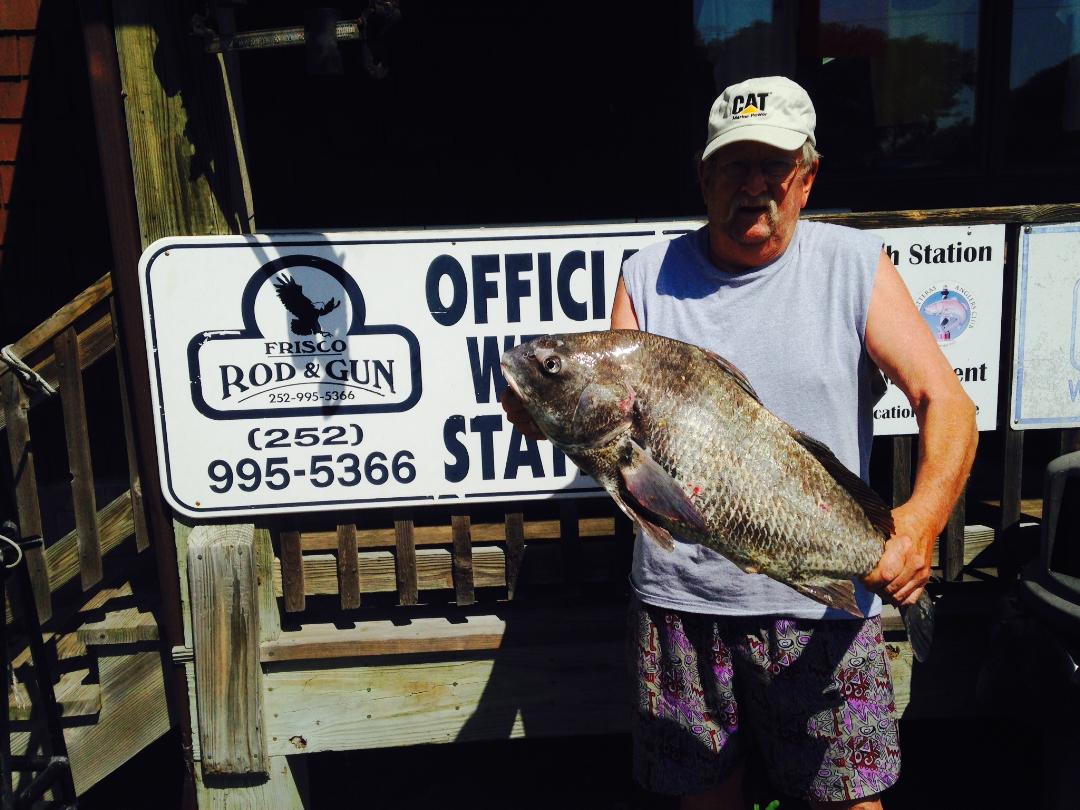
19	15
26	53
13	98
7	177
9	55
9	141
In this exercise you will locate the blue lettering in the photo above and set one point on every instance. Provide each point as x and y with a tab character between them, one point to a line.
516	457
452	428
517	287
446	314
485	367
483	288
574	309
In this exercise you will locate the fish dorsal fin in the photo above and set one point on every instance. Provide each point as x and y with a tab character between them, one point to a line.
877	512
733	370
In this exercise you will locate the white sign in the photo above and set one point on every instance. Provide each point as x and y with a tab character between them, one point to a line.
955	275
307	372
1046	355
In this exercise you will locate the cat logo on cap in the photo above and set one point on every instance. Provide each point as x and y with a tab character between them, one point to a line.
753	104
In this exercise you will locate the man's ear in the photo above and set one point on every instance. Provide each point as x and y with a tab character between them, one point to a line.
806	182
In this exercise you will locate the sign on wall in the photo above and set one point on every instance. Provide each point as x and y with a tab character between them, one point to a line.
306	372
1046	355
955	275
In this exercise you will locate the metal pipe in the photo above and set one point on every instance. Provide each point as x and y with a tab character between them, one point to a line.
106	94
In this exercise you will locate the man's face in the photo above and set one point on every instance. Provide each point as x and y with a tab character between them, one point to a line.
752	205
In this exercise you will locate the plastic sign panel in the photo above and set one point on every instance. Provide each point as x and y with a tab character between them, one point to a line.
306	372
1046	354
955	275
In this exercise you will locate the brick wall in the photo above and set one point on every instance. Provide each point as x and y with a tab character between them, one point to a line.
53	229
18	25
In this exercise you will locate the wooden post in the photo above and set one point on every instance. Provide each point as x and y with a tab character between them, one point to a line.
405	559
570	532
515	551
462	560
901	469
76	430
225	628
292	571
951	550
21	453
348	567
138	509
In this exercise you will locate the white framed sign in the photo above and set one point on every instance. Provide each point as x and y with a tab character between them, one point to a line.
955	274
306	372
1046	352
301	372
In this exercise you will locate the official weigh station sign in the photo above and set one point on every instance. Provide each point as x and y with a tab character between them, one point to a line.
1046	353
304	372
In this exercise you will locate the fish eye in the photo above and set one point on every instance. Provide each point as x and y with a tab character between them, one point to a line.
552	364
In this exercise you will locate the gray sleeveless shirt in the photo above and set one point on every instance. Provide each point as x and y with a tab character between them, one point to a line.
795	328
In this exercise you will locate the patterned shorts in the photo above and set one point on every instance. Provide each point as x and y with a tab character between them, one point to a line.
814	698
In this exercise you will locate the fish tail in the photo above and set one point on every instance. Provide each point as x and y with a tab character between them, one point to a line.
919	621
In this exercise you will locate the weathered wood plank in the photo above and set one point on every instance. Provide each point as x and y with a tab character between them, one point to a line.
405	562
292	571
172	187
76	431
547	690
515	551
269	617
128	625
284	789
95	341
21	453
952	549
1067	212
43	333
535	530
138	509
901	469
464	592
348	570
225	626
434	568
549	625
133	715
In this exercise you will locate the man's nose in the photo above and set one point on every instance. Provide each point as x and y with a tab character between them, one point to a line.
755	182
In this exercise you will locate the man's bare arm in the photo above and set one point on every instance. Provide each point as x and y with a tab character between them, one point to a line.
901	344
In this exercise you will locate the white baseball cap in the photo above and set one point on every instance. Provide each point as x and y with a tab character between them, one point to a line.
770	109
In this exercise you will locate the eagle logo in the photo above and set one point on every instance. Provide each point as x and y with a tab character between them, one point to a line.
306	311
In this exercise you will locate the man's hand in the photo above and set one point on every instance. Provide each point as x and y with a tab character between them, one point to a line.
518	416
904	567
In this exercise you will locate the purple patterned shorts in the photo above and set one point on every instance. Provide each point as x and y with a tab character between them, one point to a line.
816	698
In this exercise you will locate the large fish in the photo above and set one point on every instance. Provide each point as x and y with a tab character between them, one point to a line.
679	439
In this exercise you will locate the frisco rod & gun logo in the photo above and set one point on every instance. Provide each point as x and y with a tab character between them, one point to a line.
305	349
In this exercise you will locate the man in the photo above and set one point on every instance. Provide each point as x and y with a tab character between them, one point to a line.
726	660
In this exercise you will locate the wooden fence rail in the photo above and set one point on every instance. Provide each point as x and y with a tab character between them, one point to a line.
59	350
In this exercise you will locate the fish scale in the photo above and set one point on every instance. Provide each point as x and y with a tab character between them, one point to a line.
679	439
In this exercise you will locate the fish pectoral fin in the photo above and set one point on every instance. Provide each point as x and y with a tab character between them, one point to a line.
650	490
836	593
659	534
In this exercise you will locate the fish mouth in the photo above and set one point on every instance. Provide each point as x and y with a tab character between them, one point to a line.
509	377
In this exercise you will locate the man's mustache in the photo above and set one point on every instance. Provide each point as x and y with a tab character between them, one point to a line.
748	201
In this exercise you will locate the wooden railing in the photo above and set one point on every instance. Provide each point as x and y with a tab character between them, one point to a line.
57	352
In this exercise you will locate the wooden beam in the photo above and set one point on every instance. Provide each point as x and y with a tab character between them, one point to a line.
42	334
442	535
405	561
285	788
515	551
464	593
138	508
1067	212
95	341
225	625
292	571
76	431
951	551
901	469
348	571
21	453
